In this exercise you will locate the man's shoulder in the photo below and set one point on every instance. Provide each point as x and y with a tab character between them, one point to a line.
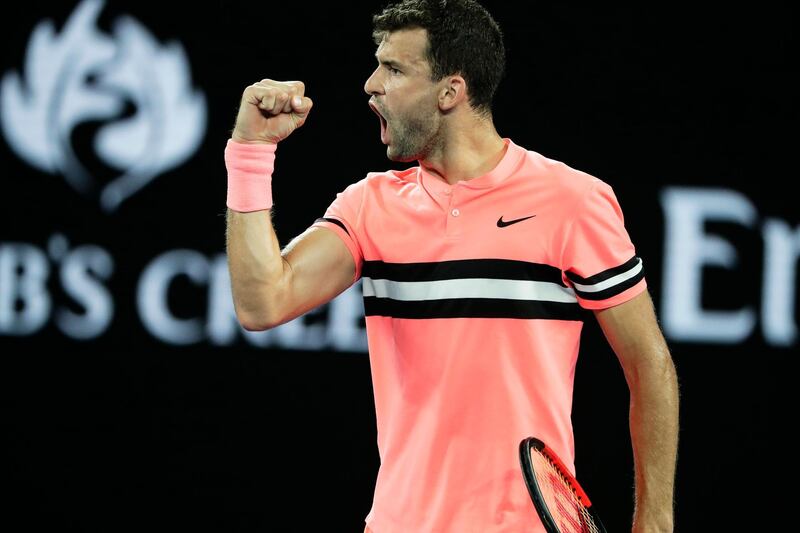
376	184
392	176
386	178
558	173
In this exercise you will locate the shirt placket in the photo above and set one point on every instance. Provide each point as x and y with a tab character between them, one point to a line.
454	214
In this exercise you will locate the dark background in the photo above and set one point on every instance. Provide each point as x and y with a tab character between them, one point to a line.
127	431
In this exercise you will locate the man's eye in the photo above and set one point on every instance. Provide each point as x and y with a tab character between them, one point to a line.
394	70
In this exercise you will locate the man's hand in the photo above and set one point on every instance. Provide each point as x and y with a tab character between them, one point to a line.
270	111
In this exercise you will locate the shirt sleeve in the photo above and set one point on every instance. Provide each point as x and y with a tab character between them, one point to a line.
343	218
599	260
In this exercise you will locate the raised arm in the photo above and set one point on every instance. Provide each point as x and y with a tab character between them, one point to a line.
271	286
632	331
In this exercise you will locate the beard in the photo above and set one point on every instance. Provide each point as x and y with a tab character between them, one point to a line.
412	137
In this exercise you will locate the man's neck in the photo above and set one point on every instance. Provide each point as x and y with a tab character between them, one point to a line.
470	152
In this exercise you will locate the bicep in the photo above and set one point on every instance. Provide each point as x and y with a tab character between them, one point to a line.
319	267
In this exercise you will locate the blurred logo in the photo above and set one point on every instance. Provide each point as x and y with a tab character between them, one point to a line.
131	96
695	256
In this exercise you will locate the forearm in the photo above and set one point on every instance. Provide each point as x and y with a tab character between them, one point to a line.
654	434
256	266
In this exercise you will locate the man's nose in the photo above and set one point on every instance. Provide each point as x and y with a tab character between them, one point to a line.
372	86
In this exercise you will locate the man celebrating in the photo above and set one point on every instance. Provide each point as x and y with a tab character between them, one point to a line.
475	266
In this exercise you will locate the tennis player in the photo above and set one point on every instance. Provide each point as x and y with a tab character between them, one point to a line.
475	265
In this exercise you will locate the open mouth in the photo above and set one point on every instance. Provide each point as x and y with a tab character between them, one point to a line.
384	123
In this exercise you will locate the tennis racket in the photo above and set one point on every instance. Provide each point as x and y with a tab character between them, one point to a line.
560	501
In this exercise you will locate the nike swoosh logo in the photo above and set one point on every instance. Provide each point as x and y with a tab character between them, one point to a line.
502	223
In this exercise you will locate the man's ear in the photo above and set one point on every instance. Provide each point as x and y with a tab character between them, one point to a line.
452	92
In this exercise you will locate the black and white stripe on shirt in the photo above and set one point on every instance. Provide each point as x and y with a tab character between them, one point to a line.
609	282
474	288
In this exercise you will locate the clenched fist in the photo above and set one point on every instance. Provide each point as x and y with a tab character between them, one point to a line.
270	111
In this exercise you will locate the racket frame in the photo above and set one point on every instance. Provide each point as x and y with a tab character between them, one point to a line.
535	491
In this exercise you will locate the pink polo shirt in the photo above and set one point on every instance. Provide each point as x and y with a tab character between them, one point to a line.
473	295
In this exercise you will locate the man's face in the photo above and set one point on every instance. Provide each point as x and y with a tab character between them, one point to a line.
404	97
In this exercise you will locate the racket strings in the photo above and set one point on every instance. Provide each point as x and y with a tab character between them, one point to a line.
560	497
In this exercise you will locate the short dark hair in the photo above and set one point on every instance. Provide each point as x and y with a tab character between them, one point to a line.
463	38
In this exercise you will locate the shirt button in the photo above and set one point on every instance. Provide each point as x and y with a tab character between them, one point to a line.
447	191
455	212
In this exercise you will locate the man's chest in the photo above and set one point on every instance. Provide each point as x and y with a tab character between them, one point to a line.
514	223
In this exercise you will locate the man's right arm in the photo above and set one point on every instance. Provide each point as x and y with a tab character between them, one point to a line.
271	286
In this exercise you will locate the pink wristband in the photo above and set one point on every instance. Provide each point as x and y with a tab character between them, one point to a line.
250	169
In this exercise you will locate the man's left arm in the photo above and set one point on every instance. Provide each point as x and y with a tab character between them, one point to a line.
633	333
